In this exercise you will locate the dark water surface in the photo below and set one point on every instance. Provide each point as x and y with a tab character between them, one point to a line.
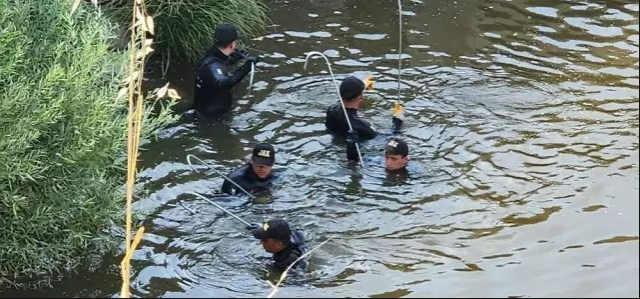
522	117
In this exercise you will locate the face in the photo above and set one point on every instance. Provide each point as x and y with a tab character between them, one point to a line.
395	162
261	171
272	245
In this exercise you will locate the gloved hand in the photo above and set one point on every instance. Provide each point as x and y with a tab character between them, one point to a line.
398	114
246	67
253	59
254	226
244	53
352	137
239	54
368	83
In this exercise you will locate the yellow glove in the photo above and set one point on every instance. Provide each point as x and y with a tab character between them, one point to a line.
368	83
398	111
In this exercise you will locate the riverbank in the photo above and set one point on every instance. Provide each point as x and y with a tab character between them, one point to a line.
63	133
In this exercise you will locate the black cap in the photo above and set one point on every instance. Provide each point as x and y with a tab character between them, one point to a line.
397	146
277	229
225	33
351	87
264	154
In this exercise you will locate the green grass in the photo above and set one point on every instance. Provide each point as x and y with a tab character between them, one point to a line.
185	28
62	136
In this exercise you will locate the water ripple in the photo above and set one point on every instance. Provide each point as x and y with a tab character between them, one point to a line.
522	118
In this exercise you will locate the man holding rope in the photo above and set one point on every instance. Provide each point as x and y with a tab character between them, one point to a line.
351	92
255	176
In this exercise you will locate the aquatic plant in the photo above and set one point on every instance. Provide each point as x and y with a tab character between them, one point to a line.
185	28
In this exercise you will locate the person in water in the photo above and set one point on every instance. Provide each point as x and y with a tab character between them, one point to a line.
213	81
286	245
351	93
255	176
396	155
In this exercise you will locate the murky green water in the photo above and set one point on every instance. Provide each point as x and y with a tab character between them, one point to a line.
522	114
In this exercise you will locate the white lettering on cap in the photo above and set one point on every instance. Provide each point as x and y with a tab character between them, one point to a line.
393	143
264	153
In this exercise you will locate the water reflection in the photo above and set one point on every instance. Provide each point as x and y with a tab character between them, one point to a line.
513	120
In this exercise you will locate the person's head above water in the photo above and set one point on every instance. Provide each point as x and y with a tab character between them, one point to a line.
274	235
351	91
396	154
262	160
225	38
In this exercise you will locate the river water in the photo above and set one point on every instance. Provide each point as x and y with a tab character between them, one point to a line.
522	117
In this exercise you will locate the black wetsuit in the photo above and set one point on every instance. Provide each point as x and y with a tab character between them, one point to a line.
213	83
247	179
291	253
337	125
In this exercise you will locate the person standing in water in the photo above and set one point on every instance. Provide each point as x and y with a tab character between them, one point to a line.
213	81
256	175
396	154
351	93
285	244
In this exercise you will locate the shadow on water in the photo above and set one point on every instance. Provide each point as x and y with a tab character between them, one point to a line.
521	115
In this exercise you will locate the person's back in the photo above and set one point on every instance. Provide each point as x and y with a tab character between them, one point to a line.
351	93
336	122
294	250
209	96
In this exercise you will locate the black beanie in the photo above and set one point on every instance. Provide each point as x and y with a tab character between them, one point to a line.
225	34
